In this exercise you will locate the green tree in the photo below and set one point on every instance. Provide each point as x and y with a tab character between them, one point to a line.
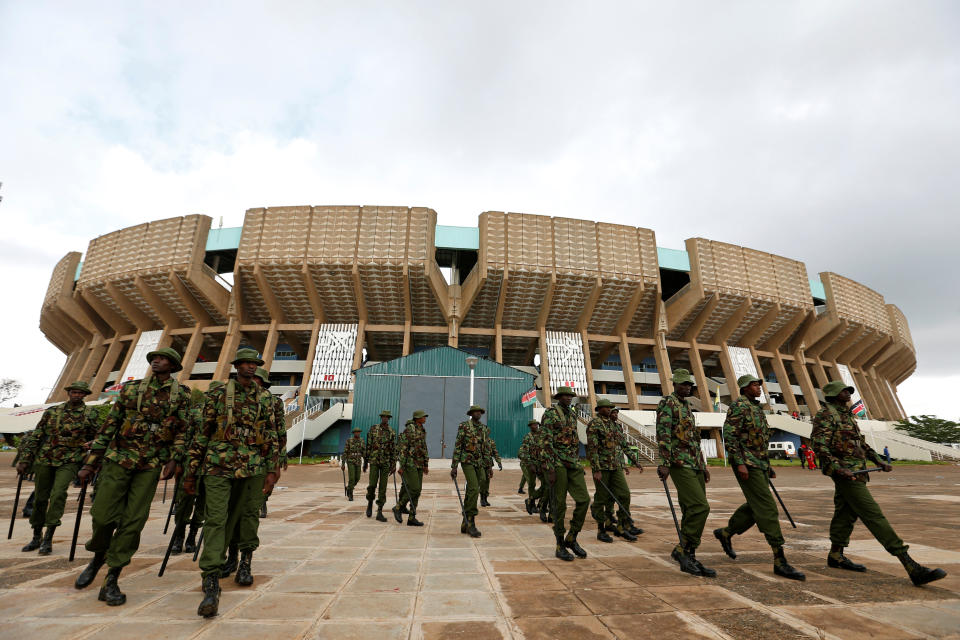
930	428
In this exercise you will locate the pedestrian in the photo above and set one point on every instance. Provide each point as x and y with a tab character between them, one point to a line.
843	450
352	460
678	440
886	453
469	451
490	450
561	452
606	446
746	436
529	466
53	453
143	433
413	461
811	459
381	456
803	455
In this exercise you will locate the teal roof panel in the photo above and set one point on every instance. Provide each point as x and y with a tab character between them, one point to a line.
673	259
224	238
816	289
447	237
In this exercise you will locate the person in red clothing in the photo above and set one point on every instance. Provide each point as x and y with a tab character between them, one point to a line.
811	461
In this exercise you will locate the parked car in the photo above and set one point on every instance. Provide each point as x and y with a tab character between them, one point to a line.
783	450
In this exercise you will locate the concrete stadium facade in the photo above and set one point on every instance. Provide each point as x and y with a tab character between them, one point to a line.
322	290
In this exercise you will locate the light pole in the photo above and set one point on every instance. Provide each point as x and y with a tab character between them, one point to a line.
472	363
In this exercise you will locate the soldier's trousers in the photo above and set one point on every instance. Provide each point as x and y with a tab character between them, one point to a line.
120	511
852	500
231	516
603	502
51	493
472	475
189	509
484	479
570	480
353	475
534	491
692	496
410	490
760	509
379	475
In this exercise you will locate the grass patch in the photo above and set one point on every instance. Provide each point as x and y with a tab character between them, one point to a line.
295	460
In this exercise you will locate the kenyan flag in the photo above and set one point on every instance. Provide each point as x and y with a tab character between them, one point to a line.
859	409
529	397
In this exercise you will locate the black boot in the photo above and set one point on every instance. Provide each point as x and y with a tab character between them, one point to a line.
396	514
837	560
472	528
463	526
404	510
528	505
211	597
602	534
191	543
706	572
380	517
176	540
783	569
35	542
350	495
263	509
244	578
110	591
543	511
231	564
562	552
28	507
726	541
918	573
483	501
369	508
629	527
413	522
85	579
686	564
621	532
46	547
570	542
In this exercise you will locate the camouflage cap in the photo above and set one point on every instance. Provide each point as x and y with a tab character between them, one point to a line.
357	429
264	377
565	391
475	407
170	354
79	385
833	388
386	413
419	413
603	402
247	355
682	375
746	379
533	422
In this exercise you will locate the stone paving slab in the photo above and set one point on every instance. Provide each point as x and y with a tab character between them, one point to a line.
324	570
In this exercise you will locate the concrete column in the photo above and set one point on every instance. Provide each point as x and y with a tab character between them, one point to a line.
626	363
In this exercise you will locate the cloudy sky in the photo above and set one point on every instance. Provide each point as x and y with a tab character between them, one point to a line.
824	131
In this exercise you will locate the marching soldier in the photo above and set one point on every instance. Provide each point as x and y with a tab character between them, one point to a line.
606	446
746	435
238	456
353	454
413	460
380	457
491	454
561	453
678	438
529	465
843	451
469	451
54	452
143	432
632	454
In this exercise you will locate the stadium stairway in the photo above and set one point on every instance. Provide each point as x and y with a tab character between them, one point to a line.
310	426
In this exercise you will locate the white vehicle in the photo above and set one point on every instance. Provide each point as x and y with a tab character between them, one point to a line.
782	450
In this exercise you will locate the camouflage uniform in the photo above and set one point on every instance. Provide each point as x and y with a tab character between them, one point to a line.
133	444
233	451
469	451
606	445
678	440
381	456
55	450
491	455
189	508
530	465
353	453
413	458
560	447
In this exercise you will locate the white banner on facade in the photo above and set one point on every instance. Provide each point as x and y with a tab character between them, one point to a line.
743	364
333	358
565	362
856	402
138	366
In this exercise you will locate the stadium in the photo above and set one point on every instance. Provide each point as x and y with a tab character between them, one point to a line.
361	308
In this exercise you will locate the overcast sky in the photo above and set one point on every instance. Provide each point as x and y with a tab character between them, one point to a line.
824	131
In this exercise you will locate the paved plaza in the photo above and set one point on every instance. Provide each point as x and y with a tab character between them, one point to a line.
324	570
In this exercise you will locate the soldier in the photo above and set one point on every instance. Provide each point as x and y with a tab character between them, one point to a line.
413	461
491	452
54	451
606	446
237	453
280	420
143	432
842	450
632	453
678	438
561	454
746	436
381	454
470	452
352	460
529	465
